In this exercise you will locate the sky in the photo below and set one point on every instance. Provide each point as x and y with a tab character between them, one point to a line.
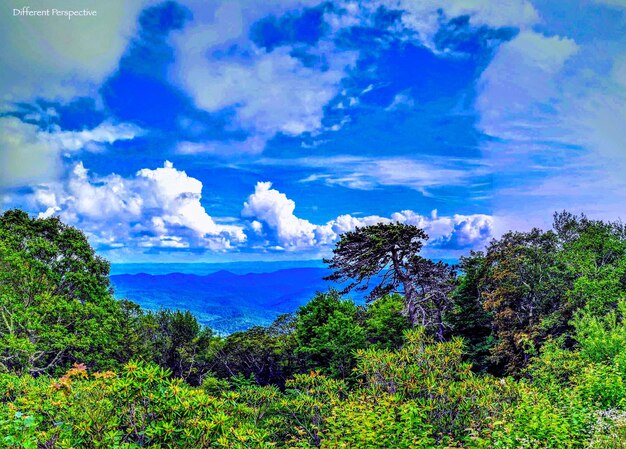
226	130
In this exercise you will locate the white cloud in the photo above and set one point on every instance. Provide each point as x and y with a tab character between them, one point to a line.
57	58
522	82
453	232
273	92
274	213
270	93
155	208
401	101
251	145
104	133
366	173
421	20
25	157
30	155
558	118
161	208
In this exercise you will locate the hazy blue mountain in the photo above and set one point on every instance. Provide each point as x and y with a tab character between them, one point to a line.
223	300
227	297
208	268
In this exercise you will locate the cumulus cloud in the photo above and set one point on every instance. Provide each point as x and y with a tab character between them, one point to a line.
57	58
156	208
30	155
276	211
273	215
161	209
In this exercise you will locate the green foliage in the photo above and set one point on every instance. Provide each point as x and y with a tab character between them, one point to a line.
180	344
601	338
265	354
421	396
328	333
143	407
468	318
79	369
56	306
530	285
385	323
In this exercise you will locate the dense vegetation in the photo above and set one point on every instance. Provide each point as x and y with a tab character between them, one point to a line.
520	346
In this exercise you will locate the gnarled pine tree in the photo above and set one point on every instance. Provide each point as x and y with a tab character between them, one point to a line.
388	254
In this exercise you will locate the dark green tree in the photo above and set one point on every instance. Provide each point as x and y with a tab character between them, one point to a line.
55	299
387	255
328	333
385	323
468	318
181	344
382	253
267	354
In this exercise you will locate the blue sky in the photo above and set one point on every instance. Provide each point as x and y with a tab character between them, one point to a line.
246	130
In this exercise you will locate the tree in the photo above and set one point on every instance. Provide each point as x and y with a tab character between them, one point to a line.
523	288
55	298
328	332
468	318
593	254
267	354
388	254
61	252
433	283
385	323
180	344
532	283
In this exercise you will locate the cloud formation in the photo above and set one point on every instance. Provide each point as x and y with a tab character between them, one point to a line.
421	20
59	59
555	105
274	220
161	209
514	108
366	173
30	155
286	85
267	90
157	208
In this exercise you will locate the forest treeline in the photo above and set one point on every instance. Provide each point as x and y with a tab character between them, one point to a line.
522	345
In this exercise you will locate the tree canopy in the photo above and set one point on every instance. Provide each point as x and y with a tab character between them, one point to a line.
387	255
520	346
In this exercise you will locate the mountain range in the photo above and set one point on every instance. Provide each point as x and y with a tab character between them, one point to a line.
224	301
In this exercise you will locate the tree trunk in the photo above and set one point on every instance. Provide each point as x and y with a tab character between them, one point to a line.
410	303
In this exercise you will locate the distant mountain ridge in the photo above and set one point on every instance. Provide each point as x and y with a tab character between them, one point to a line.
212	267
225	301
